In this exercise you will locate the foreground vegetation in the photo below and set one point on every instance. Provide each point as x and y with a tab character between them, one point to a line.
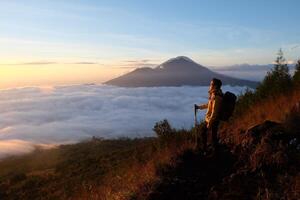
97	169
260	157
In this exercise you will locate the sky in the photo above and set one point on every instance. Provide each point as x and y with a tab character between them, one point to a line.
54	42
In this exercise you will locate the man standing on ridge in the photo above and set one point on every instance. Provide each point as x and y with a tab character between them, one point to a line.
212	117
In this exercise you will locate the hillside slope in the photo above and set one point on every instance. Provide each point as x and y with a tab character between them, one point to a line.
257	162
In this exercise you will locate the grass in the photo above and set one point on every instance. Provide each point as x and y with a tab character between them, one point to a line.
96	169
274	108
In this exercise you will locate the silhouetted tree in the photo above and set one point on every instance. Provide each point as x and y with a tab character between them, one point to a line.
296	77
163	129
277	80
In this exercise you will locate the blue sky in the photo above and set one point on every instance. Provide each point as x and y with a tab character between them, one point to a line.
151	28
111	33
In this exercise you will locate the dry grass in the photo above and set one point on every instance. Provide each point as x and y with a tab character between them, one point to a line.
137	176
273	109
97	169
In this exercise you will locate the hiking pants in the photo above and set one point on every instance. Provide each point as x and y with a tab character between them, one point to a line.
204	131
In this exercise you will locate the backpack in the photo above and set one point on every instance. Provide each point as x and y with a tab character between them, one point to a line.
227	107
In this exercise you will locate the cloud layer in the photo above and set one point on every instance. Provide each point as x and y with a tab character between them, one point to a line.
66	114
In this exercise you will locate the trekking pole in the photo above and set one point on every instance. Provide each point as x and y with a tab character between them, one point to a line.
195	114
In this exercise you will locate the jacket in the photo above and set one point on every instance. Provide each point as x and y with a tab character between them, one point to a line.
213	106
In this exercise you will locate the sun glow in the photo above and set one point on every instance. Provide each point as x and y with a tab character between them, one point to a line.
12	75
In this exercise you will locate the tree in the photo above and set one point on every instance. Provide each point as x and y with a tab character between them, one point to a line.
296	77
277	80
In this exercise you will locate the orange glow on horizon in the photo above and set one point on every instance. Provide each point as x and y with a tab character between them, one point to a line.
55	74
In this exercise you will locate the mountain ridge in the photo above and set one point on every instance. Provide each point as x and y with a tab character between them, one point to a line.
176	71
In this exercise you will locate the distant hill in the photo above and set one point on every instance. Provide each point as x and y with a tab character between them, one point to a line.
254	72
249	67
177	71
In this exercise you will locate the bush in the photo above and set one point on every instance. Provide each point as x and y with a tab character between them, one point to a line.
17	177
163	129
245	101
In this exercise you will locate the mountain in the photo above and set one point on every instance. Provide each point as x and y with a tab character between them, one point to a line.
177	71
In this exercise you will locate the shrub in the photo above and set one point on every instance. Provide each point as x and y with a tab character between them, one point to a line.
163	129
244	101
17	177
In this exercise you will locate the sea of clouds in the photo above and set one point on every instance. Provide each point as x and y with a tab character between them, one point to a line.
49	116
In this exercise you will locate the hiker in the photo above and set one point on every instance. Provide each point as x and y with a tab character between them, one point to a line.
213	107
